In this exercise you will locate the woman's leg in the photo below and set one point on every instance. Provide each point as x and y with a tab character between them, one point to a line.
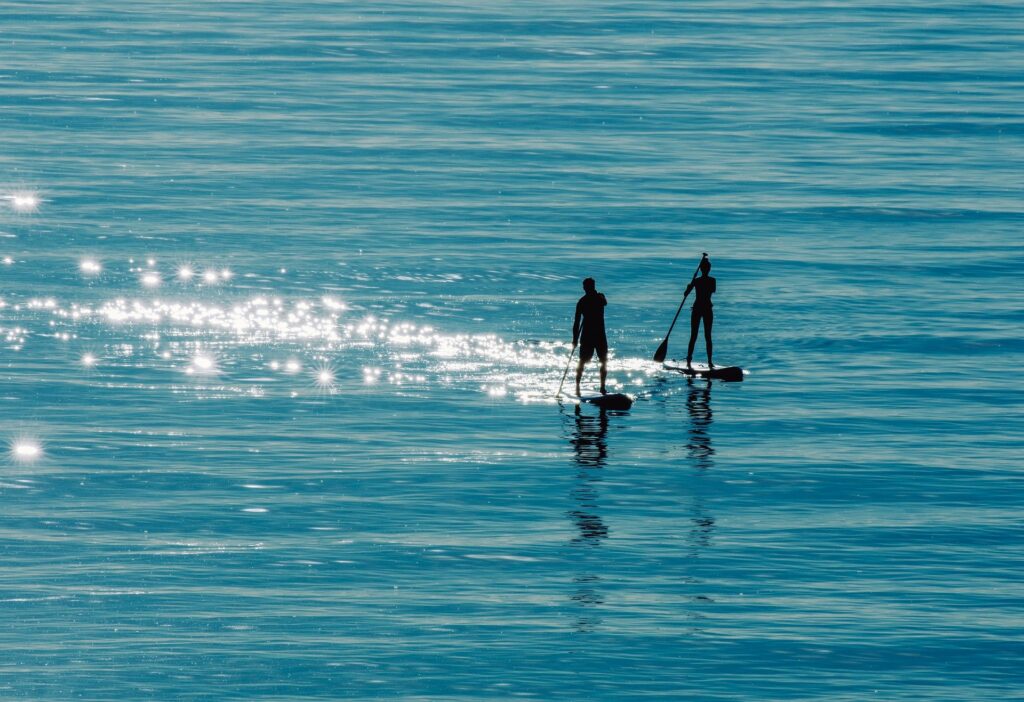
709	320
694	327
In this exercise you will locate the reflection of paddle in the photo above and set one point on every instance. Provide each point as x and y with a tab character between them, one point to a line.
567	364
662	351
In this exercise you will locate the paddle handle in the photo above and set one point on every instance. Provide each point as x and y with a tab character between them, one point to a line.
678	310
568	363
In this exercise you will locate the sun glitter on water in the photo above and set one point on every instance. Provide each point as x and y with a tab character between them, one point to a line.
23	202
90	266
26	450
324	378
203	363
312	339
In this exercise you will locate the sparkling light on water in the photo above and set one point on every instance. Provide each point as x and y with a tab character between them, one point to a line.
324	378
332	303
24	202
26	450
300	334
90	266
202	364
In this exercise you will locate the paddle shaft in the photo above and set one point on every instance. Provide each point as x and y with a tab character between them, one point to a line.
567	364
662	351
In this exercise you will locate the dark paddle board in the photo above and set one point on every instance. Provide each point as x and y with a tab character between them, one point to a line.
612	400
700	370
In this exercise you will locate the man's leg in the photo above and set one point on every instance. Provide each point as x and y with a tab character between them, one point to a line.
586	353
602	359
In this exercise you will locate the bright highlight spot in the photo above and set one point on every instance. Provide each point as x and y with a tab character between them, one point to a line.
26	451
151	279
292	366
90	266
24	202
324	378
202	364
88	360
185	273
332	304
210	277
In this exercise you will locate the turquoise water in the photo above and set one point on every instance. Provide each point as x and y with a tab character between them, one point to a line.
287	289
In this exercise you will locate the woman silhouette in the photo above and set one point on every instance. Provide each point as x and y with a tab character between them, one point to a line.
705	287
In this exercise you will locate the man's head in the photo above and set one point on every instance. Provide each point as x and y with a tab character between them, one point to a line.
589	285
705	265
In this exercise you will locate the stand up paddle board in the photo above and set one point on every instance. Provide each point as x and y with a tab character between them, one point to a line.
700	370
612	400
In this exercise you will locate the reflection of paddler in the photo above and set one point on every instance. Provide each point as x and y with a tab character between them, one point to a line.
590	439
698	404
590	444
588	331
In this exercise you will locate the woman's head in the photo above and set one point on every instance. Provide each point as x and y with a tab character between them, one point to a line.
705	265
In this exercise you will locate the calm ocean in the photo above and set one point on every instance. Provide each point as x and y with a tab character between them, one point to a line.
286	291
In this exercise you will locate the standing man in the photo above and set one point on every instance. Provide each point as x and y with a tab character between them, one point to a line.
588	330
705	287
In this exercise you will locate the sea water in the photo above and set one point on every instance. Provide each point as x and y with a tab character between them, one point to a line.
286	294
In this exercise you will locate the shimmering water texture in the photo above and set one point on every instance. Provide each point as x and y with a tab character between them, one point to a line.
245	344
286	290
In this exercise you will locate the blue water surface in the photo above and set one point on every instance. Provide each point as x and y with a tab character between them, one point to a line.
286	293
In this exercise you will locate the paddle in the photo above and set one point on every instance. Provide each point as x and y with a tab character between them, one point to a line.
567	364
659	355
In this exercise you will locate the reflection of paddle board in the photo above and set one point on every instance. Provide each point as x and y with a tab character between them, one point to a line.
700	370
613	400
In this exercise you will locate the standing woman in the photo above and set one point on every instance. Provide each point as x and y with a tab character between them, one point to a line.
705	287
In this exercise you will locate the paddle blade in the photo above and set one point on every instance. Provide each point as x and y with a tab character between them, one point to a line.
659	355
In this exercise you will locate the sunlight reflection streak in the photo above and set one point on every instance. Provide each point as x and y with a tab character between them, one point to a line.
305	333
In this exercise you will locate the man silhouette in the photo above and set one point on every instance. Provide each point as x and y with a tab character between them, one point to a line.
588	330
705	287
